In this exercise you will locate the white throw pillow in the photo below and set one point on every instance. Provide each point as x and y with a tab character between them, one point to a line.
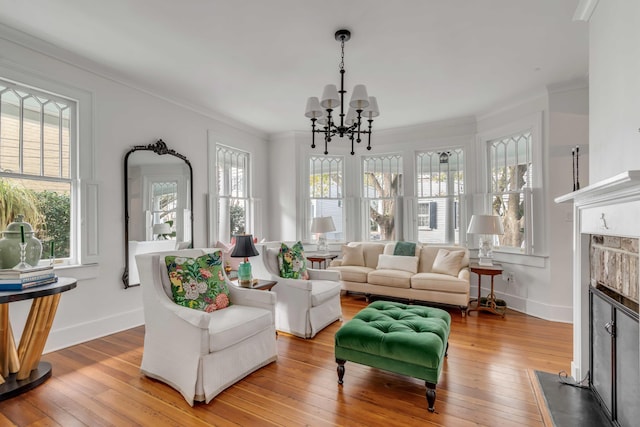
448	262
352	255
398	262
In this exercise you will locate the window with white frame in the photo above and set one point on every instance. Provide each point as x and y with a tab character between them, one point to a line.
233	192
326	192
37	174
439	187
381	187
510	183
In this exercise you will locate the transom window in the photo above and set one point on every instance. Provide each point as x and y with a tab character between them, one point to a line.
381	187
326	192
233	191
36	175
510	175
439	185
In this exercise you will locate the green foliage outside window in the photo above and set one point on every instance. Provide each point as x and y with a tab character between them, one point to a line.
48	212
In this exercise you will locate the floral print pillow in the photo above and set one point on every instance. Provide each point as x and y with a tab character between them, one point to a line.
198	283
292	262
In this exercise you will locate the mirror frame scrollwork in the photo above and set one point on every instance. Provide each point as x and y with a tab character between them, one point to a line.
160	148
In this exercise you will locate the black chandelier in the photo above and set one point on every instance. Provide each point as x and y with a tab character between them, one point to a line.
361	106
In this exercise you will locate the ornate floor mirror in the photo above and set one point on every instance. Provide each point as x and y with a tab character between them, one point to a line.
158	195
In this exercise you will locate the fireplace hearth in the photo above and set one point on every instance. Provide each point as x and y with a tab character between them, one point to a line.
606	291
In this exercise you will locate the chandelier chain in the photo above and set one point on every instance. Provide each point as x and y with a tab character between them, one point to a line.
342	56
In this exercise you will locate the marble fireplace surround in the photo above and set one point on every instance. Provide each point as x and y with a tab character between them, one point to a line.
608	208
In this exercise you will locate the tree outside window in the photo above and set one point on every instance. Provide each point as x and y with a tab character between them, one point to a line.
510	169
381	187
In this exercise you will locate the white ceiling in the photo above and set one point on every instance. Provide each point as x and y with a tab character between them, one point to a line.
257	61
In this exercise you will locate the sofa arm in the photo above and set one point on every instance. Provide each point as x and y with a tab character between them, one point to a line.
464	274
335	263
324	275
197	318
252	297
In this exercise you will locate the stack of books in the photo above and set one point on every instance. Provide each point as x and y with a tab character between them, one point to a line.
16	280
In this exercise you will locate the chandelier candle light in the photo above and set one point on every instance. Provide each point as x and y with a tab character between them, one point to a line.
486	226
350	125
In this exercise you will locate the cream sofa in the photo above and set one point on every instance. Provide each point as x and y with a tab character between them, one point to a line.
394	281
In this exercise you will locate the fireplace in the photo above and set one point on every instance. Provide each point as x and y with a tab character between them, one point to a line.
605	293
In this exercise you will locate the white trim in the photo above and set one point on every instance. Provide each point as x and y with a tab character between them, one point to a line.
585	9
90	222
83	332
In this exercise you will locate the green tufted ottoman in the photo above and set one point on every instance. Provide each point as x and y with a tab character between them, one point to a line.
406	339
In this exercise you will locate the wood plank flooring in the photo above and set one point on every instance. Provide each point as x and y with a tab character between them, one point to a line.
485	382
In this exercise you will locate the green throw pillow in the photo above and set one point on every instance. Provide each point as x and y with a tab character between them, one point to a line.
198	283
292	262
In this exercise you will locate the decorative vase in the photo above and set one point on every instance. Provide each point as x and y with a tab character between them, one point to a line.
10	244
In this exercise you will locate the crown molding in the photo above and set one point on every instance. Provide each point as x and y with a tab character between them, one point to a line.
585	10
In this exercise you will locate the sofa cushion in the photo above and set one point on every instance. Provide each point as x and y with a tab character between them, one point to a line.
236	324
198	283
439	282
447	262
428	254
398	262
391	278
370	252
390	249
292	262
353	273
323	290
352	255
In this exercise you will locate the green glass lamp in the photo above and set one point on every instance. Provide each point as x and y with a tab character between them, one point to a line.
244	249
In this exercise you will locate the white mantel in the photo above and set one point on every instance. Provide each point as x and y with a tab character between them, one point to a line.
608	207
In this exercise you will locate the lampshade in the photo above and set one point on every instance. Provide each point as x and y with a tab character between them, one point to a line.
244	247
359	98
351	117
313	108
161	228
330	97
372	110
485	224
322	224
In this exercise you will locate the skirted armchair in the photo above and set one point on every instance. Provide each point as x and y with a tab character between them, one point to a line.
303	307
196	352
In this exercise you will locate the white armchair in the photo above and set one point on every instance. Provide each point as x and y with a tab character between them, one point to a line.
303	307
198	353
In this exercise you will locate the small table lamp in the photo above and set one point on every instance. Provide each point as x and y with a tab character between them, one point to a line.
244	249
486	226
322	225
161	230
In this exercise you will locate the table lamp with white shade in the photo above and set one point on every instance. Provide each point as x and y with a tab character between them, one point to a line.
486	226
322	225
161	230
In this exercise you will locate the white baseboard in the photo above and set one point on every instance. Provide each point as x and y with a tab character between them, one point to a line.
554	313
83	332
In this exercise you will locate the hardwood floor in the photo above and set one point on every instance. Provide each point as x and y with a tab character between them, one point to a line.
484	382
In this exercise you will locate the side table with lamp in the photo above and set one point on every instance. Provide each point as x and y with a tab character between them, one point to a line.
486	226
244	248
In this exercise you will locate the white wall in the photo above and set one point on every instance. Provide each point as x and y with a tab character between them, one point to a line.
122	117
614	88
